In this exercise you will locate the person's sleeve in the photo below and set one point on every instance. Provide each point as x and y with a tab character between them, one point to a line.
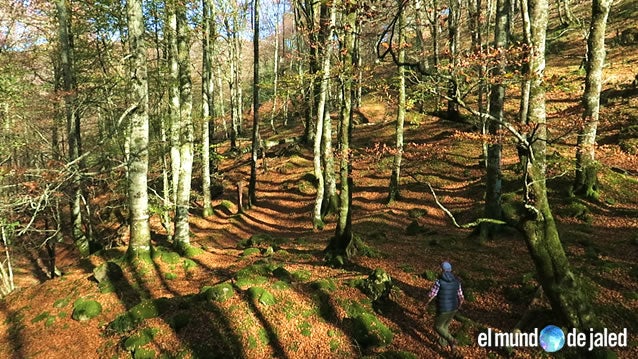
435	290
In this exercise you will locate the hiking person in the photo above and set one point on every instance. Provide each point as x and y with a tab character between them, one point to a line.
447	289
444	13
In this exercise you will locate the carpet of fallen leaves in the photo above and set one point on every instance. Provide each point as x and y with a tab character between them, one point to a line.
238	326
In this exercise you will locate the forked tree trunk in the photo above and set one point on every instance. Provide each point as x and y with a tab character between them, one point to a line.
327	21
562	287
140	237
341	242
585	183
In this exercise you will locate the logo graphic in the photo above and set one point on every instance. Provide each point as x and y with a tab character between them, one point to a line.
552	339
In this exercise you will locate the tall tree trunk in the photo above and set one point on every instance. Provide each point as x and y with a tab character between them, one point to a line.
562	287
207	102
327	21
252	183
182	228
394	190
421	19
140	238
173	98
69	84
454	20
331	199
585	183
275	70
342	242
493	180
526	81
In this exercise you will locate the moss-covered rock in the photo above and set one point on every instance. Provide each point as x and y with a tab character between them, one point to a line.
261	295
369	331
143	353
145	310
189	264
84	310
249	252
219	292
138	340
327	285
301	275
378	284
282	274
108	271
280	285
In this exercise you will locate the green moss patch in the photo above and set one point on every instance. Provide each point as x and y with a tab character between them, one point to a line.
326	285
219	292
301	275
189	264
261	295
378	284
142	353
249	252
61	303
138	340
84	310
369	331
145	310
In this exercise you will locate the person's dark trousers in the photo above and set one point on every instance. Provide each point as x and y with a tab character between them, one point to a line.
442	323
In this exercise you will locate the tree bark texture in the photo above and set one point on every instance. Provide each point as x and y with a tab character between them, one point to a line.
585	183
343	234
140	236
497	102
182	228
252	183
562	286
394	190
69	84
207	103
327	21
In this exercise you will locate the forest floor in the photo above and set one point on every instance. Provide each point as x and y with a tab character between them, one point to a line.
315	307
314	318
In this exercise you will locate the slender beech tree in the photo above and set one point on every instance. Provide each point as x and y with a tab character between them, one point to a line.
585	183
275	81
342	242
525	82
173	97
398	155
140	238
69	85
327	20
208	101
493	180
252	183
182	229
562	286
453	21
